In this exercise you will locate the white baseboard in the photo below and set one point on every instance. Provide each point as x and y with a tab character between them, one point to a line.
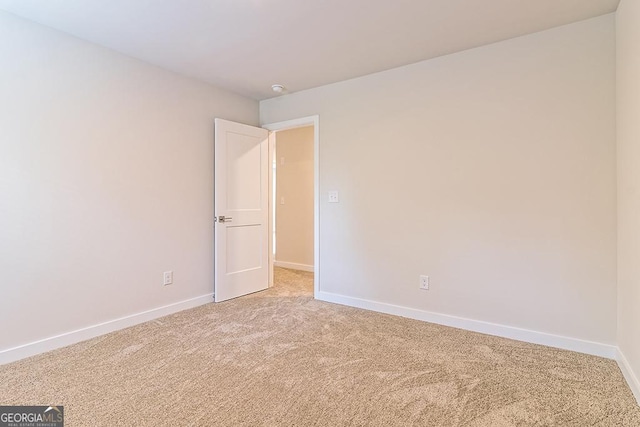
68	338
629	375
557	341
293	266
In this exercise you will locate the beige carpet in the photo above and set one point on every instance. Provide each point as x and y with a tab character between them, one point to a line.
279	358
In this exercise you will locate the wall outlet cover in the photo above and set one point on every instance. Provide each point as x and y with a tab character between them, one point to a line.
424	282
168	278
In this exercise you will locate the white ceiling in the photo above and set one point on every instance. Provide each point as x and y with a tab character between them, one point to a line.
248	45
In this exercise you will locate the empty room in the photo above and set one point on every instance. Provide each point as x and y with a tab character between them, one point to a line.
331	213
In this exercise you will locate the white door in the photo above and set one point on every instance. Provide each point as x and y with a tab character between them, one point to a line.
241	209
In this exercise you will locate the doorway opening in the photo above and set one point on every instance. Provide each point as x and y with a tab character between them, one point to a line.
294	189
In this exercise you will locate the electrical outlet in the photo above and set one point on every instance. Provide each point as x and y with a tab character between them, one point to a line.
333	197
424	283
168	278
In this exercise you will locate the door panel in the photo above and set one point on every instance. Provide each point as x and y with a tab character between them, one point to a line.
243	172
241	198
242	252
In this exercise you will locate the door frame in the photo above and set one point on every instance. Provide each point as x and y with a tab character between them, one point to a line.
286	125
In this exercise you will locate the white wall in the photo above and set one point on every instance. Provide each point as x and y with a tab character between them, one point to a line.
294	183
106	181
628	114
491	170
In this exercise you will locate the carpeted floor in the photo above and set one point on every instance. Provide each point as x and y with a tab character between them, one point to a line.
279	358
